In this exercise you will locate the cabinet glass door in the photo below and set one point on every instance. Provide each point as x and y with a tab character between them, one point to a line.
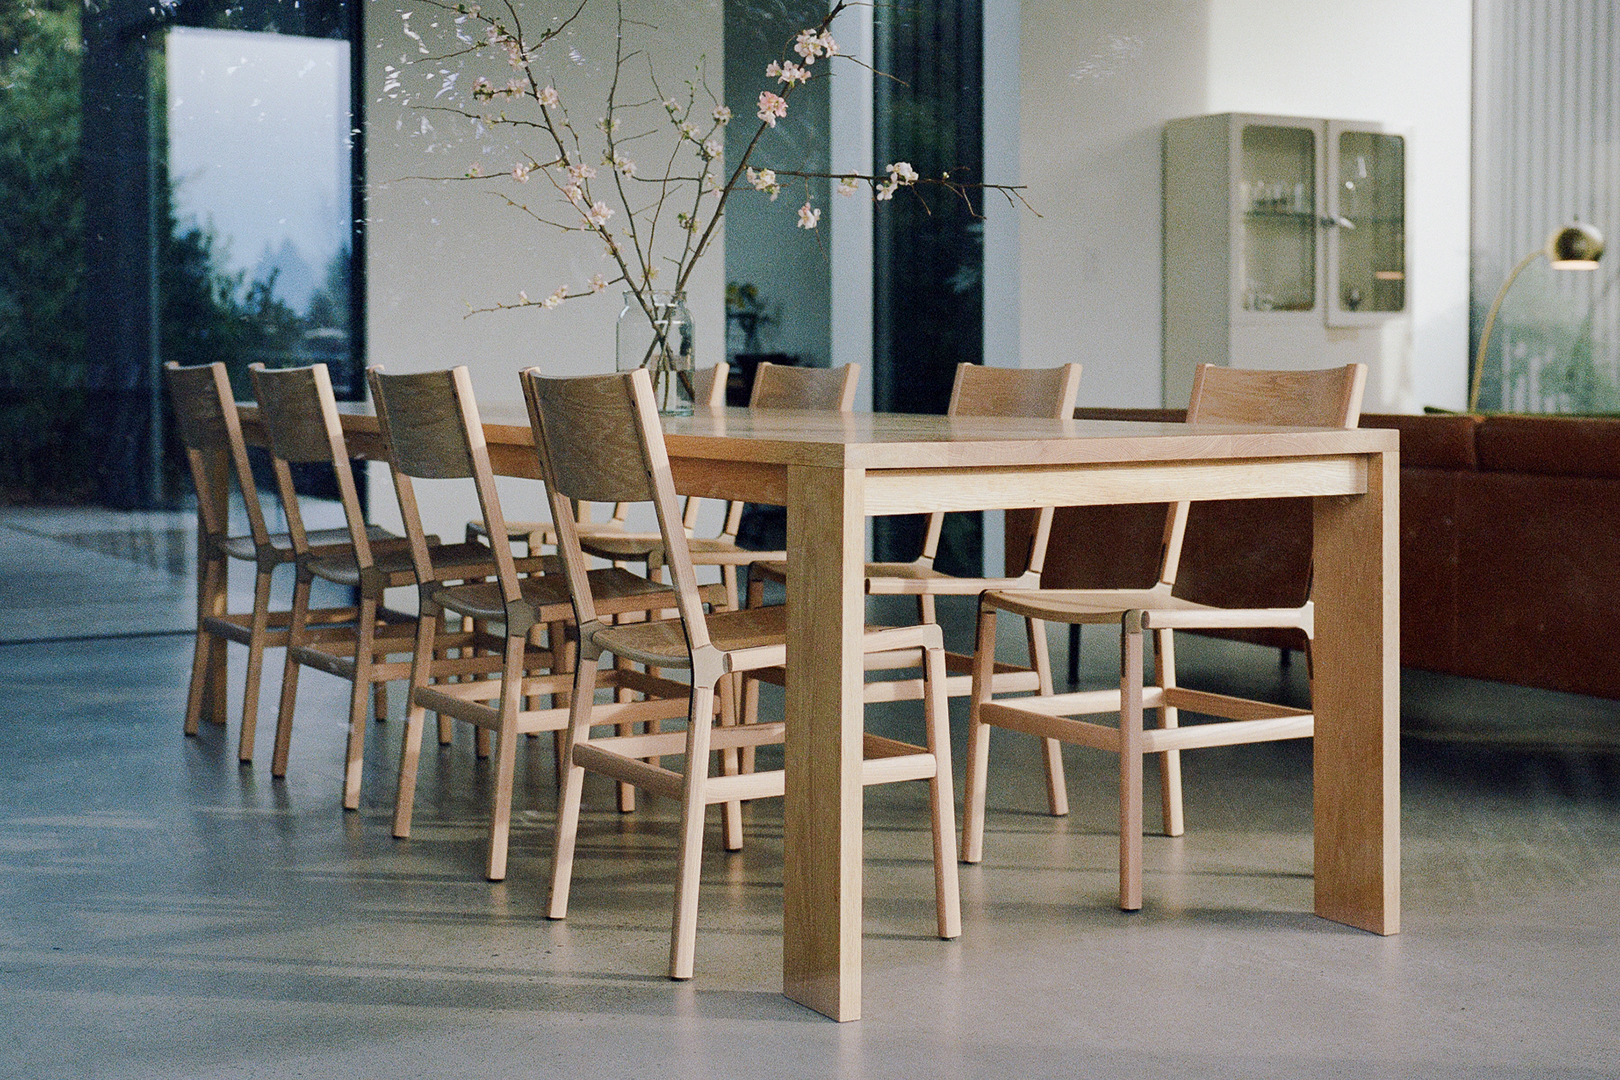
1369	220
1277	200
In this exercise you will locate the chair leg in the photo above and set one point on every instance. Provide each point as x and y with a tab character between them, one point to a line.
941	797
289	676
365	656
1057	788
683	932
1130	764
978	745
210	589
568	791
410	747
506	744
1164	665
731	828
255	665
1074	655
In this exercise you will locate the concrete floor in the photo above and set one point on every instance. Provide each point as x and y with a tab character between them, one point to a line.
165	912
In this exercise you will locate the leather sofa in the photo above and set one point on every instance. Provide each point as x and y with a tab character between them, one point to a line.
1510	547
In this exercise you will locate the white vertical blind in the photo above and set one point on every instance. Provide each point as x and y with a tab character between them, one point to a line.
1547	151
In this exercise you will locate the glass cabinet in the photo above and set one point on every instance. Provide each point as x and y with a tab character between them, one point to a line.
1284	239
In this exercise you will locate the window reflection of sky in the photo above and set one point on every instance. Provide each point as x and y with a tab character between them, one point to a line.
258	141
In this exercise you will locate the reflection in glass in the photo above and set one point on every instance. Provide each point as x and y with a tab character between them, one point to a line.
1278	200
1372	227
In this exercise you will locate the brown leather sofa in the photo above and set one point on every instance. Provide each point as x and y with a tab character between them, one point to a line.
1510	547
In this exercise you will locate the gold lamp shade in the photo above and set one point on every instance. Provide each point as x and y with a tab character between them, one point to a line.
1575	247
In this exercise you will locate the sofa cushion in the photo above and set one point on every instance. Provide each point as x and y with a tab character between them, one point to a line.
1432	440
1550	445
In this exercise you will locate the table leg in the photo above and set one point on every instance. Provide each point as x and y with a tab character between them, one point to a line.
1356	691
821	939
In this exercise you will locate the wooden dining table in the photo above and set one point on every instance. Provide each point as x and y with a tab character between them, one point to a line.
833	471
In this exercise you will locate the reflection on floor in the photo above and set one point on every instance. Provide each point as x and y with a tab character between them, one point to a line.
167	913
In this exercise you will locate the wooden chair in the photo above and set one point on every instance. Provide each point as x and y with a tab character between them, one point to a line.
599	439
211	433
611	539
300	414
431	425
977	391
1221	395
776	386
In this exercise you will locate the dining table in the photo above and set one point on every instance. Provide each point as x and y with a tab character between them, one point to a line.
834	471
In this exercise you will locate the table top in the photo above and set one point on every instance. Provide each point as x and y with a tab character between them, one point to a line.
904	441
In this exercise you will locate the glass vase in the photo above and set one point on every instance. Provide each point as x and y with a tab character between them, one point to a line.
657	335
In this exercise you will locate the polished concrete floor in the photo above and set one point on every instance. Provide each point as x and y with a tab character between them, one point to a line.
165	912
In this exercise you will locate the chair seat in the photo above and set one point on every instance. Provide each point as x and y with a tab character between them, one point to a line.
903	579
1085	605
392	561
621	547
916	579
241	547
616	591
1161	609
719	551
760	631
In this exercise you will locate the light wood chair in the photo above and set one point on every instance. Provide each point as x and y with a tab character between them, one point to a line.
211	433
977	391
599	439
611	539
431	425
300	414
1221	395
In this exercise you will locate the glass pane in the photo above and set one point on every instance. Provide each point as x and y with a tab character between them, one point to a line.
1372	229
258	157
1278	198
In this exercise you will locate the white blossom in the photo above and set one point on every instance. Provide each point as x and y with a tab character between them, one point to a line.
771	106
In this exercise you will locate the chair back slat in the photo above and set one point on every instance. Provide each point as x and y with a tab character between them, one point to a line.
1325	397
1040	393
202	409
300	413
431	426
1032	392
599	438
290	404
1329	397
428	436
211	431
779	386
709	386
596	452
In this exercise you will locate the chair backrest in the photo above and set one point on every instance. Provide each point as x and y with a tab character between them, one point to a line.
779	386
1042	393
211	432
599	439
1328	397
300	414
431	426
709	386
1035	392
1324	397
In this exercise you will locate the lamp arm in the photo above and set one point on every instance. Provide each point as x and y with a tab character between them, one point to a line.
1490	324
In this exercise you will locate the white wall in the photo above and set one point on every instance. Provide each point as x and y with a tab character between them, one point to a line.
439	248
1099	80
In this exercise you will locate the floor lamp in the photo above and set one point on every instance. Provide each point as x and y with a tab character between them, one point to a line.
1574	247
